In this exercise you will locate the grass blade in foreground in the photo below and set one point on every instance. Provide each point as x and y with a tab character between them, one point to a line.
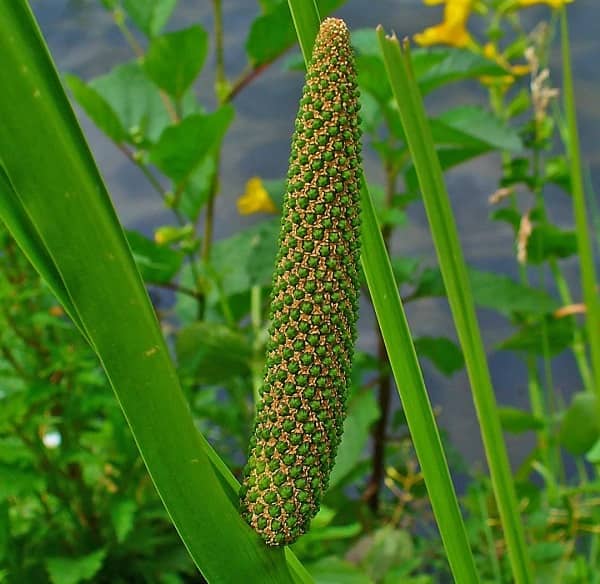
454	272
50	169
405	366
584	242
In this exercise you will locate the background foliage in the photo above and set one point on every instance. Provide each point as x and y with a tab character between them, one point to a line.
76	503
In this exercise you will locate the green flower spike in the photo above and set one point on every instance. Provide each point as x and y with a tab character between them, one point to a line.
314	306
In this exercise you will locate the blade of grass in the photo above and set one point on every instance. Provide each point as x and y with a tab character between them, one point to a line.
51	171
454	272
584	240
403	360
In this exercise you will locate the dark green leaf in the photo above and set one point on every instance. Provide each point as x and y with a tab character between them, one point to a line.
182	148
97	108
149	17
272	33
518	421
530	338
174	59
72	570
442	352
580	426
157	264
389	548
212	353
547	241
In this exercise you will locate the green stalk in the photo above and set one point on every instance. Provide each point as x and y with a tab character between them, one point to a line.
584	242
454	272
403	359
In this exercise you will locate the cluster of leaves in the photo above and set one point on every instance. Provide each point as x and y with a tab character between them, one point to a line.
82	507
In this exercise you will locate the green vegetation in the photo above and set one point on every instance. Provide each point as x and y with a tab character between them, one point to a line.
144	487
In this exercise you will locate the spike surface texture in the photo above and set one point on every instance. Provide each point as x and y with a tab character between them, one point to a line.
314	307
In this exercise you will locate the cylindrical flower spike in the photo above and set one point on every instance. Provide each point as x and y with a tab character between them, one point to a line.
314	306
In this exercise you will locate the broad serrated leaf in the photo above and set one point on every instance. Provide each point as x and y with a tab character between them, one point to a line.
580	426
183	147
518	421
157	264
174	59
442	352
97	108
72	570
149	17
212	353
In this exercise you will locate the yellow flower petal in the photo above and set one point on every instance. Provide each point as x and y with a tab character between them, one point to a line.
551	3
452	31
255	199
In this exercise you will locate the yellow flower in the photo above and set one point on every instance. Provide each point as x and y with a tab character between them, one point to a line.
551	3
255	199
452	31
491	52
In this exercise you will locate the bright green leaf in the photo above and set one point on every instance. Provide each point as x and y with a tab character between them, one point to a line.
97	108
484	126
149	17
333	570
580	426
547	241
174	59
518	421
72	570
182	148
122	514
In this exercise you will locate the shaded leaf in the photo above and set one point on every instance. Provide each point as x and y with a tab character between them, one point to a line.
333	570
580	426
65	570
198	188
530	338
547	241
122	514
442	352
157	264
362	412
212	353
97	108
174	59
182	148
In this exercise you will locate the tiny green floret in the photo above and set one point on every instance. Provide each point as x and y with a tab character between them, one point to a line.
314	307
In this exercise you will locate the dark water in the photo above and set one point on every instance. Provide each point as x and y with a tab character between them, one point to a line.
83	40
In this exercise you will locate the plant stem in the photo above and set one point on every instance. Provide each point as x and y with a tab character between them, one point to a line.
385	379
584	244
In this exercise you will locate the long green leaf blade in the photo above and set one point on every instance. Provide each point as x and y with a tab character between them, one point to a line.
403	358
460	297
48	164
